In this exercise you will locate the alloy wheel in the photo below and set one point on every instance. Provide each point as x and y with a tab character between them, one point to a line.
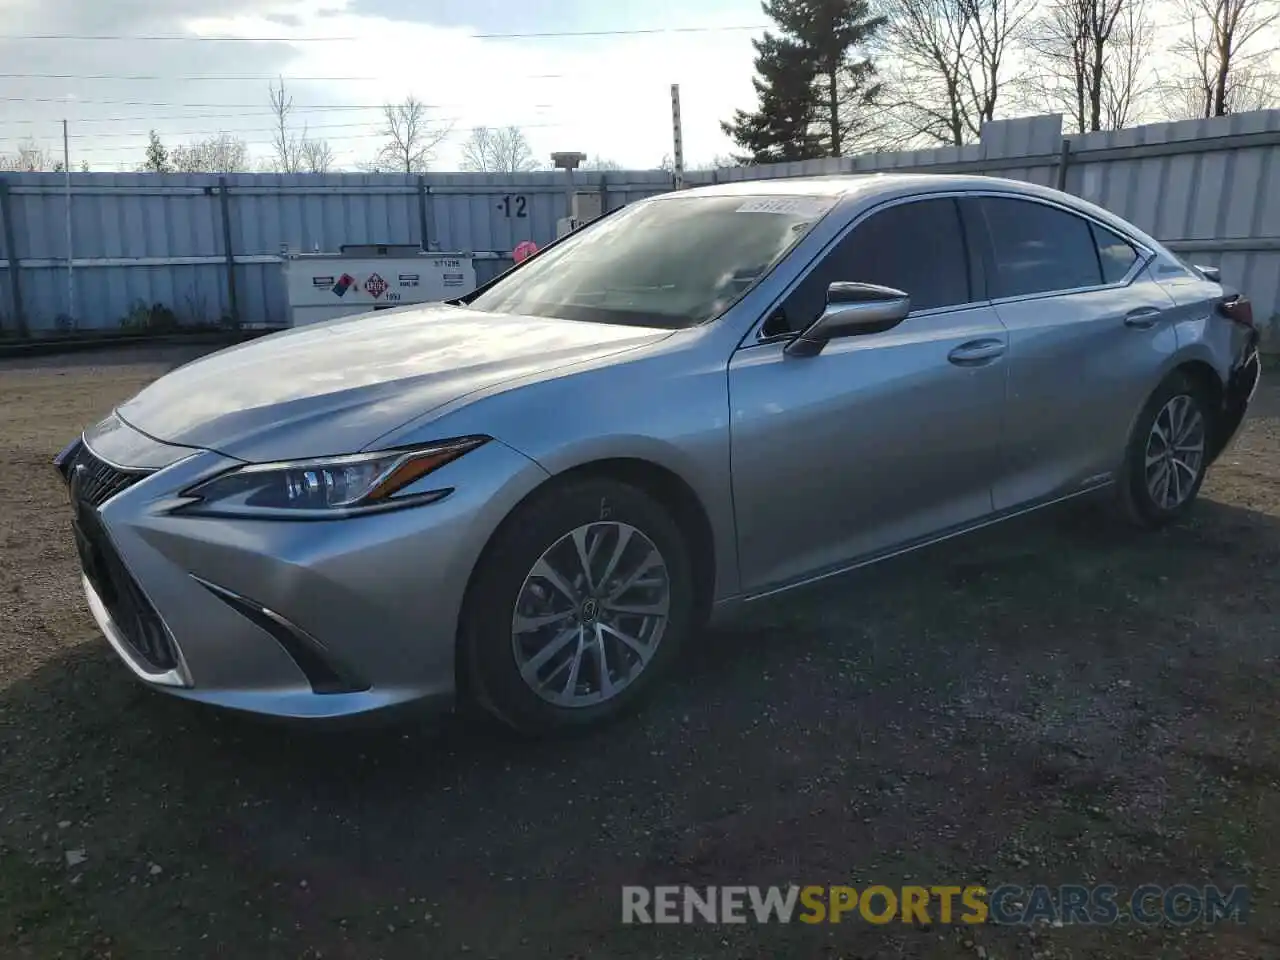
1175	452
590	614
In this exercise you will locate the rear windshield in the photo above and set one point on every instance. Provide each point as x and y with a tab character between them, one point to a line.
672	263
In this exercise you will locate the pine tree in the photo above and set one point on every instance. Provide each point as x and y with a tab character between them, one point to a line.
157	156
846	82
781	128
813	90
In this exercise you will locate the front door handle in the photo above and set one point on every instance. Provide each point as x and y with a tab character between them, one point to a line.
976	352
1144	318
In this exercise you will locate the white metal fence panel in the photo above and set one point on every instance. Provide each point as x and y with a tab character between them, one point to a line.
1210	188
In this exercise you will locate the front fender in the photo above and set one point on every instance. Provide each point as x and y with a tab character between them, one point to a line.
702	470
669	408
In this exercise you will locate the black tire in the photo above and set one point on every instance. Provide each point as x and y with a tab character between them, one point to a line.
1136	501
494	678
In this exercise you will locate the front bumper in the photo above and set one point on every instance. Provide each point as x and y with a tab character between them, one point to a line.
291	619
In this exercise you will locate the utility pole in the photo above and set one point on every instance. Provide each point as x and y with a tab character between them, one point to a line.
677	139
71	278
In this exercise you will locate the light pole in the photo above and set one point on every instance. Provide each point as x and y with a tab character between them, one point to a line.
568	162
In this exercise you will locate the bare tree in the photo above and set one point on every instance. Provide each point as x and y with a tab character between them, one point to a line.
30	157
946	64
1226	51
1251	88
317	156
286	145
223	153
598	162
293	151
411	138
1092	56
504	150
1128	78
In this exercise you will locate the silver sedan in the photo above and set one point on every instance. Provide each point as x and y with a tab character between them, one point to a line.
534	495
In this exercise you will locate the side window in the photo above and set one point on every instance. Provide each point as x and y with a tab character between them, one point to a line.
917	247
1116	254
1038	248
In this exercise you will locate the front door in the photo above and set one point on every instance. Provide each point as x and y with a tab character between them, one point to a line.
881	439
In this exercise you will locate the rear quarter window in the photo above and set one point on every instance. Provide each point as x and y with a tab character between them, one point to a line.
1116	254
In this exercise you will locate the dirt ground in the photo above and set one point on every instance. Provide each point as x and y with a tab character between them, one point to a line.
1060	700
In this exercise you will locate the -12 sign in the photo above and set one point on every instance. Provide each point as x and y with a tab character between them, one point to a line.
516	202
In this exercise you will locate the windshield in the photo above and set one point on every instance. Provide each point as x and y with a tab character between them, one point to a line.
670	263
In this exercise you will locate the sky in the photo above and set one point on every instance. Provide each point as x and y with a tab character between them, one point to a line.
607	96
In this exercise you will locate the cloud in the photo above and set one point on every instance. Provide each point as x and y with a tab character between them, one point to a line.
109	118
607	96
496	16
603	95
542	16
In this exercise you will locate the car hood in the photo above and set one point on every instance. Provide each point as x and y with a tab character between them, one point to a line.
335	387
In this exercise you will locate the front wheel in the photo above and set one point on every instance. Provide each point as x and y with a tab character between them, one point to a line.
578	606
1167	457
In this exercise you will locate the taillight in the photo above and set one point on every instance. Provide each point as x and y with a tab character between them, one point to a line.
1238	310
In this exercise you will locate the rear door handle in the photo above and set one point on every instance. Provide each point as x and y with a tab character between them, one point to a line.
1144	318
976	352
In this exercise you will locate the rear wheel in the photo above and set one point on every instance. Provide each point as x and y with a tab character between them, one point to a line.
1167	457
578	606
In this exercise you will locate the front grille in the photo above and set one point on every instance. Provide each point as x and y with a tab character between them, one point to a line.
96	480
134	616
93	482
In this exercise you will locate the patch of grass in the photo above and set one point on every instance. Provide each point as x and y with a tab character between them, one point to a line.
151	318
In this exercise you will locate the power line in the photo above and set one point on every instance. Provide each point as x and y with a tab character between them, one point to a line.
201	106
370	135
235	132
143	134
239	114
544	35
202	78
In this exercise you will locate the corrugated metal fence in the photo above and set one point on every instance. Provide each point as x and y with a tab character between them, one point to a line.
1210	188
170	239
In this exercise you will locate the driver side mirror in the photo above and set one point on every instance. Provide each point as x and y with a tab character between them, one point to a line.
852	309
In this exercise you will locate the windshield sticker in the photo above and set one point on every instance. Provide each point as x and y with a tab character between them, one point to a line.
804	206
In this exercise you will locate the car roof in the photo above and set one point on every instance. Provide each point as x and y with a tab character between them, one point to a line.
857	183
859	190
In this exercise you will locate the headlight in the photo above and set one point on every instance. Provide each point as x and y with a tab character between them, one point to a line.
325	488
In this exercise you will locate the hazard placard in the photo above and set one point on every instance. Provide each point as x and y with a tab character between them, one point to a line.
376	286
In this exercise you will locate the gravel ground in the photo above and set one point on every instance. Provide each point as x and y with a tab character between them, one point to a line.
1058	700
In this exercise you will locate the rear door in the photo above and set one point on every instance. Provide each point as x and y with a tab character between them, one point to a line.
883	438
1089	332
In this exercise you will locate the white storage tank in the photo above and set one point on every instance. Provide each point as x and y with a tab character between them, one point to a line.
364	277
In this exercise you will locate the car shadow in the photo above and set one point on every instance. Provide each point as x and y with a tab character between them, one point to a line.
894	705
934	587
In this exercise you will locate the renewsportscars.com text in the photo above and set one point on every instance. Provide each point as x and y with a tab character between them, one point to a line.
1007	904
